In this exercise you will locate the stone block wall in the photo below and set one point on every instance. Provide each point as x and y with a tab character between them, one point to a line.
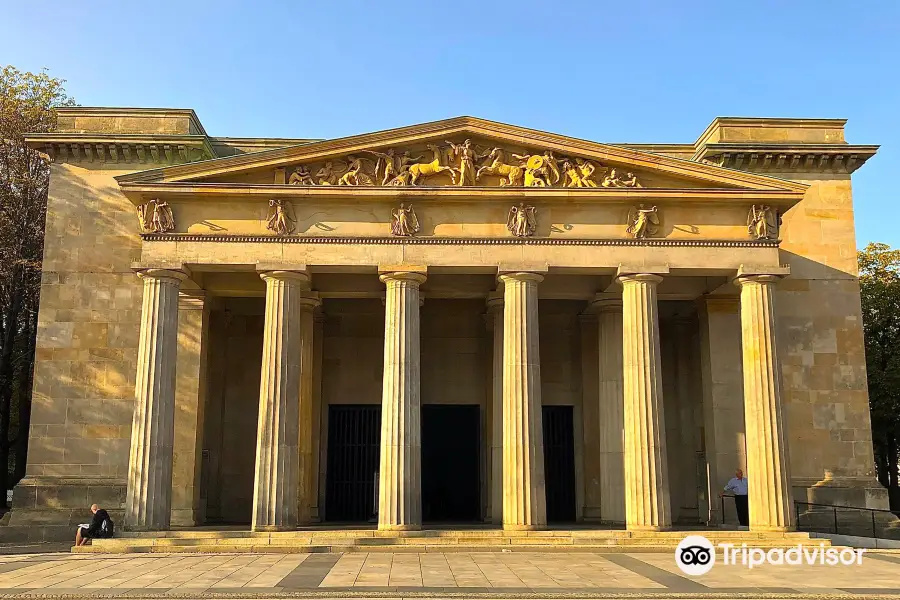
822	348
88	328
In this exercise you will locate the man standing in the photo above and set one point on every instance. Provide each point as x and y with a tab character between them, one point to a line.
738	486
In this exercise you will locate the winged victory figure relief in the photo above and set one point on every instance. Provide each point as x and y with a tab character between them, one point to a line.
155	216
403	221
642	222
763	222
281	217
521	220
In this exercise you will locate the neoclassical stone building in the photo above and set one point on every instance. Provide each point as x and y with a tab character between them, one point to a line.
459	321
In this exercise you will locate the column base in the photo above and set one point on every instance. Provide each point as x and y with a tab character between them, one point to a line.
399	527
648	528
269	528
768	529
520	527
187	517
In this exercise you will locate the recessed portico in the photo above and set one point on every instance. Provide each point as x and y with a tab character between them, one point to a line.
455	322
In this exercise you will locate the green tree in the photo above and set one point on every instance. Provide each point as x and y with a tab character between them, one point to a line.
26	106
879	279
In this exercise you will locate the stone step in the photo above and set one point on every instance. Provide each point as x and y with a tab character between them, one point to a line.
302	549
429	541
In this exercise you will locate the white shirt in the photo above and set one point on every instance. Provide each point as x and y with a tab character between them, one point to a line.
738	486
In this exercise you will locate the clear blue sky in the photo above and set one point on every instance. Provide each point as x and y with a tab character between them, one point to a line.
635	71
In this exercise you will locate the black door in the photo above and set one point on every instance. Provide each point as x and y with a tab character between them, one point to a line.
559	463
450	462
354	435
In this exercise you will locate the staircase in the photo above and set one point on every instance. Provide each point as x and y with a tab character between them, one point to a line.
432	540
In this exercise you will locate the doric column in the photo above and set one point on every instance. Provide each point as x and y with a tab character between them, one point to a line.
277	476
612	412
306	493
768	476
400	480
723	399
524	496
149	496
318	487
495	314
587	445
646	478
190	408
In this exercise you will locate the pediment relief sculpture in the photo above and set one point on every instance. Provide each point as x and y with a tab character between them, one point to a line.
463	164
521	221
763	222
155	216
642	222
612	179
281	219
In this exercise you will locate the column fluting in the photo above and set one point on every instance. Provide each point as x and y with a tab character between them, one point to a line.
149	493
768	463
400	479
524	495
647	503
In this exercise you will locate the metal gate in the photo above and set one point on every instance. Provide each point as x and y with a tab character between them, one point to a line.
354	436
451	451
559	463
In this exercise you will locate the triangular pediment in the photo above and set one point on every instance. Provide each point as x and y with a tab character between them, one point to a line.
437	155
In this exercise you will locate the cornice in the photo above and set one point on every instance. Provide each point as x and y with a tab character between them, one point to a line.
141	192
121	148
120	111
787	158
451	241
765	122
528	138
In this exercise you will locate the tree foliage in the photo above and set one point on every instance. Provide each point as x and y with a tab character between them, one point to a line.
27	101
879	268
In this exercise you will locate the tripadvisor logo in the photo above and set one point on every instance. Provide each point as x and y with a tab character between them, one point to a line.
696	555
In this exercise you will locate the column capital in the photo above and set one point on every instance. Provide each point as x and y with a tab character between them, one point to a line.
650	278
521	276
607	302
759	278
397	276
192	300
494	300
296	277
309	301
176	276
751	274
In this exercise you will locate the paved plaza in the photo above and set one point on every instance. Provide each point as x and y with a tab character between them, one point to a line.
513	574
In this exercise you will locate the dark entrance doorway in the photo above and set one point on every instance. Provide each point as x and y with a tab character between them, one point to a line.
450	462
559	463
354	437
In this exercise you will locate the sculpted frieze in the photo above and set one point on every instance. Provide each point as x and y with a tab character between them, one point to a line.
521	220
281	219
404	222
465	164
763	222
155	216
642	222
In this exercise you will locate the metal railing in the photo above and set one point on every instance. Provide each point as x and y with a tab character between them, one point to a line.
722	501
847	520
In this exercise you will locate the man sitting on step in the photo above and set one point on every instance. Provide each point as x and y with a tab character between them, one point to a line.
101	526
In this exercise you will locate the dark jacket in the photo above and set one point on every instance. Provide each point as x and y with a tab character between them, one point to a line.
96	529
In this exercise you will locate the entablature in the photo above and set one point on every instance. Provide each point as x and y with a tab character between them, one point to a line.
122	148
786	158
